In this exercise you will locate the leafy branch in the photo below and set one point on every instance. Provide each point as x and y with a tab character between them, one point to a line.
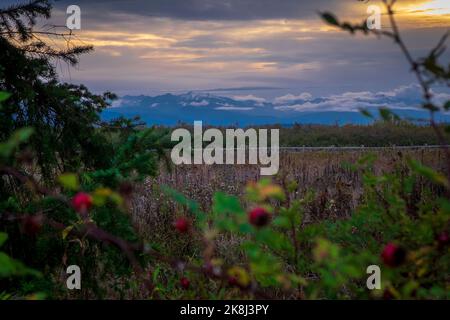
427	70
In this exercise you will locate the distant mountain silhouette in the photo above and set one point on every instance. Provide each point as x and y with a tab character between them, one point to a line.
170	109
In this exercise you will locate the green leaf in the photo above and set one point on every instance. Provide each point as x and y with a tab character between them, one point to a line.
447	105
7	266
348	27
4	96
22	135
431	107
10	267
191	205
18	137
224	203
292	186
429	173
245	228
282	222
388	115
274	240
3	238
325	251
366	113
330	18
69	181
66	232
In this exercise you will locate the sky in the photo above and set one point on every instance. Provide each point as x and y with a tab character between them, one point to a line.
260	48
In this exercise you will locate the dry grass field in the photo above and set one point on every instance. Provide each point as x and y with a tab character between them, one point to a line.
323	174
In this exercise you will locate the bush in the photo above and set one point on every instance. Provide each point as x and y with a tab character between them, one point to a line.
67	182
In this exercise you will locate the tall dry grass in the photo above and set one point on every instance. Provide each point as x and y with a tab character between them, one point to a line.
336	188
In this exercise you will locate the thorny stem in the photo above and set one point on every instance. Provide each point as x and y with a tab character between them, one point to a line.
293	228
92	231
423	84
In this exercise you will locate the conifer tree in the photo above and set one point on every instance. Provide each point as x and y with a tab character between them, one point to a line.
64	116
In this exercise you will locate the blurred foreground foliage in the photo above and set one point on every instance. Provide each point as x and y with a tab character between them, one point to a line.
67	182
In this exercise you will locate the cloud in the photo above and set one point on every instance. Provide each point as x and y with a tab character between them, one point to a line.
202	103
243	89
148	46
233	108
290	97
403	97
260	101
116	103
206	9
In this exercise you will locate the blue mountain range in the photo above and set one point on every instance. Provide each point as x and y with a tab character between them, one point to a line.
170	109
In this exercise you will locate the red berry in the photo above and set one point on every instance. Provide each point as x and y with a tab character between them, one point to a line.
126	189
185	283
182	225
232	281
259	217
82	202
393	255
443	239
31	225
387	295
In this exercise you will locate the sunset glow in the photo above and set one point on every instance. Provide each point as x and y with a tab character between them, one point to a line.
434	7
193	45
